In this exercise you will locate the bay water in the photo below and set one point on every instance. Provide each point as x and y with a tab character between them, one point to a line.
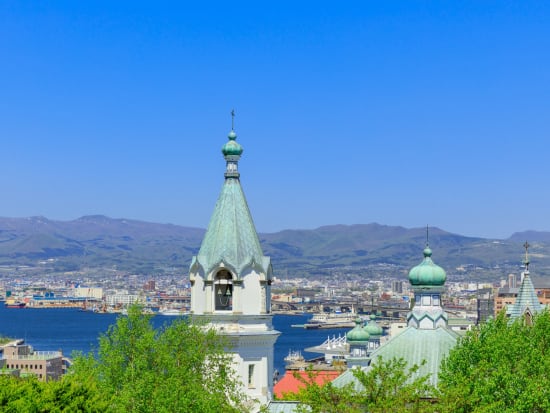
70	329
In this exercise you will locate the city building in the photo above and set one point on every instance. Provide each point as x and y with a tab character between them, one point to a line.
231	283
512	281
397	287
122	300
22	359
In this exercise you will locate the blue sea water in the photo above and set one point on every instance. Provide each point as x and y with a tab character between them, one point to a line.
69	329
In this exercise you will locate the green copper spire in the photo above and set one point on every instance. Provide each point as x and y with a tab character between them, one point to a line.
231	236
527	300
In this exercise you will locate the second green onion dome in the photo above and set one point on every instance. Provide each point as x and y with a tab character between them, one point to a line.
373	328
232	147
427	273
357	334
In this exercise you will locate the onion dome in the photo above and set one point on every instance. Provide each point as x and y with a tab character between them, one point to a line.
357	334
372	327
232	147
427	273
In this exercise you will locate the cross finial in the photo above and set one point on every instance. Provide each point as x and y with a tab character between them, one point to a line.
526	246
427	236
232	119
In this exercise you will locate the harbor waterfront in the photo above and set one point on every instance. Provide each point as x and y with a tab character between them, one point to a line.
70	329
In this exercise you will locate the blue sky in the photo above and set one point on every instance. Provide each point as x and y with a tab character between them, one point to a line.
397	112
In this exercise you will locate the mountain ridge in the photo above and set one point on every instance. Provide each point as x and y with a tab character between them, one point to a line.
95	241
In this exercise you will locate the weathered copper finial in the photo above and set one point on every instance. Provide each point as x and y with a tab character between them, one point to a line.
427	236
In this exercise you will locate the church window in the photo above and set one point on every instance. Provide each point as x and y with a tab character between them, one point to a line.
251	375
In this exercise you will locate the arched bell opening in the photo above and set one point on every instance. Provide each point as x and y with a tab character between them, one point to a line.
223	291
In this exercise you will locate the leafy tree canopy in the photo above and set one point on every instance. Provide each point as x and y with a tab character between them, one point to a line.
180	368
67	395
499	367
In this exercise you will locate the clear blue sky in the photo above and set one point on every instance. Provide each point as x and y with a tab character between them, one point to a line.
397	112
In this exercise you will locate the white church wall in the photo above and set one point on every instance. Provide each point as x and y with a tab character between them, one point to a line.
251	294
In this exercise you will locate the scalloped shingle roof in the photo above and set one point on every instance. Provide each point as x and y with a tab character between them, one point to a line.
231	236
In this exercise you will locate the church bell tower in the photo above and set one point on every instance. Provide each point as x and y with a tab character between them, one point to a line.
231	282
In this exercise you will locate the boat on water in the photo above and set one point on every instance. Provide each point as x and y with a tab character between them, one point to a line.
337	319
294	357
174	312
15	304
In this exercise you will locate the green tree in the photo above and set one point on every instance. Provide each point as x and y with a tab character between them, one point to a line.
387	386
179	368
30	395
499	367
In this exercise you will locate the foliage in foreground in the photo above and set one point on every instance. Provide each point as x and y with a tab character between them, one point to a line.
499	367
387	386
179	368
30	395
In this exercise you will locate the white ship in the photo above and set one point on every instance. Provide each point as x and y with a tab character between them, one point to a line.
337	319
174	312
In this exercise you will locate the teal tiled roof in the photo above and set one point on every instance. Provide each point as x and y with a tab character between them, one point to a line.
347	377
283	407
526	300
416	345
231	237
413	345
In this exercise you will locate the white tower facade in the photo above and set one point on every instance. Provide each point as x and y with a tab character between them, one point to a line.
231	283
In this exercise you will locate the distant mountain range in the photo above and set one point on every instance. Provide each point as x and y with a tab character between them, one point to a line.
142	247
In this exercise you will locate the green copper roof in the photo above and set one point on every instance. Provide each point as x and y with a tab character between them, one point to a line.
526	300
427	273
357	334
413	345
372	327
279	406
231	237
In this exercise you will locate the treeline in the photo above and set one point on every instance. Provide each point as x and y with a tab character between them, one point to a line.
497	367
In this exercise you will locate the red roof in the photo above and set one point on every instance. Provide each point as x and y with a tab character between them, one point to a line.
291	384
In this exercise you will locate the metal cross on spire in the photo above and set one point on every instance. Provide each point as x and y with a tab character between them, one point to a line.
526	246
427	236
232	119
